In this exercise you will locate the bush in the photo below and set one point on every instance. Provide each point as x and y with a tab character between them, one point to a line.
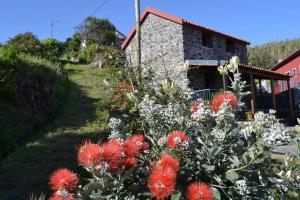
72	46
52	49
37	88
26	43
188	149
8	57
113	57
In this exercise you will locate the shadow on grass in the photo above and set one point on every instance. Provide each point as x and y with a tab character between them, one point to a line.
82	116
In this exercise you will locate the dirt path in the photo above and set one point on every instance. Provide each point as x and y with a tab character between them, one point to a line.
84	115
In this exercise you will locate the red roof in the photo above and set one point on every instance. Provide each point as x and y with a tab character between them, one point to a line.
285	61
181	21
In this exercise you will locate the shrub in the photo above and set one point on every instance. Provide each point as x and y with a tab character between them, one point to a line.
188	149
52	49
26	43
72	46
35	90
87	54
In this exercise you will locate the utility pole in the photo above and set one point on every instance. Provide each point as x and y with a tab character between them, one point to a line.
138	40
52	27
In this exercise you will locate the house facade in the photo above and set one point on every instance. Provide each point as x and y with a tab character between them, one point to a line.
173	42
178	40
289	66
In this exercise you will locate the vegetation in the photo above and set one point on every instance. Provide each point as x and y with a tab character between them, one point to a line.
72	46
52	49
82	115
31	91
27	43
267	55
97	31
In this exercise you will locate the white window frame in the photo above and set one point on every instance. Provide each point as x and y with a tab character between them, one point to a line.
294	70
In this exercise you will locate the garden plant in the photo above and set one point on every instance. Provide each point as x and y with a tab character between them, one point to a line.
171	146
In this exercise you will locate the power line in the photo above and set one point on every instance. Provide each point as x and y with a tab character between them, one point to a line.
99	7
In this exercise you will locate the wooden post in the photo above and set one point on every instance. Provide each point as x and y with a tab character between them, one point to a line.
290	98
260	88
138	39
253	99
224	82
273	94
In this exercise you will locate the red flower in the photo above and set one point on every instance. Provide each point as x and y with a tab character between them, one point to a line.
134	145
176	139
112	154
162	182
219	99
195	106
55	196
129	163
89	154
169	161
63	179
199	191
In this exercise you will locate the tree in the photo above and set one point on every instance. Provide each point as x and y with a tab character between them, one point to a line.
52	49
97	31
72	46
26	43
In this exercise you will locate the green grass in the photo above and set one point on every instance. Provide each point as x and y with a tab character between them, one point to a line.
83	116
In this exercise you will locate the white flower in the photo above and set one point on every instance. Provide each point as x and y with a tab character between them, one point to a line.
242	187
223	70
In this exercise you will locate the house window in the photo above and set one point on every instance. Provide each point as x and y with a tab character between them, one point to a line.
230	46
207	40
294	72
282	86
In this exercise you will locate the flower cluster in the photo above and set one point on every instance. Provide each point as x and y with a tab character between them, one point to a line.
63	181
111	156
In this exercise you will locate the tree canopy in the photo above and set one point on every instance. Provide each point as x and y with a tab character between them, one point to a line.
267	55
26	43
97	31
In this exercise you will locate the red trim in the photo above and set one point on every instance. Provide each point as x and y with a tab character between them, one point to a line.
177	20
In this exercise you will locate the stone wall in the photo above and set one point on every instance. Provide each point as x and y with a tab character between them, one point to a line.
193	49
161	42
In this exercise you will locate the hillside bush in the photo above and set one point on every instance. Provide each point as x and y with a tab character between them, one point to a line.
37	88
72	46
113	57
52	49
171	147
27	43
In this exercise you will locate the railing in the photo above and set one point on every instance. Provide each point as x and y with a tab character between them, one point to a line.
206	94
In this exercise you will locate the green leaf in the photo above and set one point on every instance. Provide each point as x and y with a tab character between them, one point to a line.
216	193
208	167
176	196
231	176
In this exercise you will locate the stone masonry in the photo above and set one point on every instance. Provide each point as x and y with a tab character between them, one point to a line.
164	42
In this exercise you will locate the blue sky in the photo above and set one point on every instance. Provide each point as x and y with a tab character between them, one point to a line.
257	21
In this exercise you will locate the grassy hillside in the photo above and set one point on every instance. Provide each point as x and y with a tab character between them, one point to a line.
31	92
267	55
83	115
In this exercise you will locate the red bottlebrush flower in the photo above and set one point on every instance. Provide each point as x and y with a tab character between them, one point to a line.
199	191
55	196
195	106
134	145
169	161
176	139
129	163
89	154
219	99
112	154
63	179
162	182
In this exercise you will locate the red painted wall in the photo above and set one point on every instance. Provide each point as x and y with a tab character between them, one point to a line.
288	67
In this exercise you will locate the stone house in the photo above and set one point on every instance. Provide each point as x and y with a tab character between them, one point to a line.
172	41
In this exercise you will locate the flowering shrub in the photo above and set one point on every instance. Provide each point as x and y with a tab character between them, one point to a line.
189	149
